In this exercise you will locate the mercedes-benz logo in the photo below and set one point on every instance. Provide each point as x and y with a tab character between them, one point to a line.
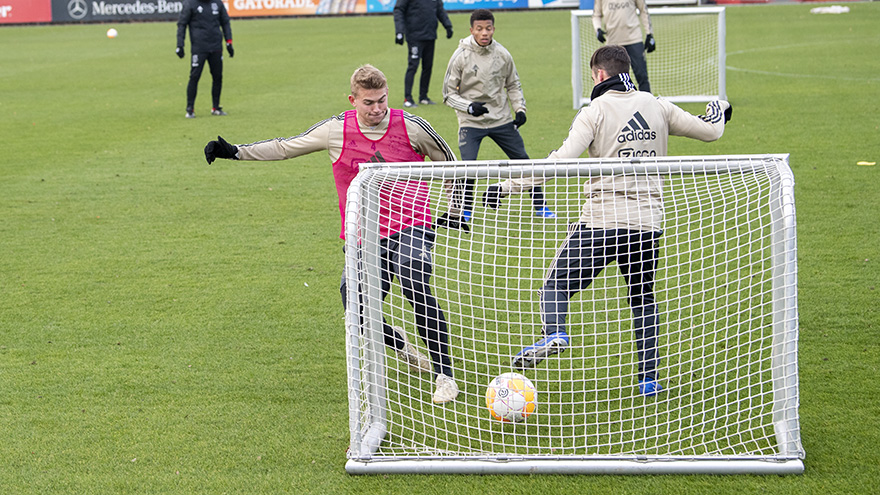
77	9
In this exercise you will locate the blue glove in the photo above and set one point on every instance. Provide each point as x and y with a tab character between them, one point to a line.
650	44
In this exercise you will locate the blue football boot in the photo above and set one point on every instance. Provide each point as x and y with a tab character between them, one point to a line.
530	356
649	387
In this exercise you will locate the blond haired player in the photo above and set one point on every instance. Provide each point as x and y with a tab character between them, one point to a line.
372	132
622	218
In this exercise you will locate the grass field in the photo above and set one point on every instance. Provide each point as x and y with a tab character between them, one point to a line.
172	327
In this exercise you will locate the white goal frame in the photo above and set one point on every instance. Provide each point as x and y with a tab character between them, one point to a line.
702	80
369	372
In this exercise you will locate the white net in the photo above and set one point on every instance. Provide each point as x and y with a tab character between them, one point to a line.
725	288
688	64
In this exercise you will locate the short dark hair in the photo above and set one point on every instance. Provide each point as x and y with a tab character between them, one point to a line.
613	59
482	15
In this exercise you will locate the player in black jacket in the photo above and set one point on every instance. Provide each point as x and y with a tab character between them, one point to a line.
416	22
206	19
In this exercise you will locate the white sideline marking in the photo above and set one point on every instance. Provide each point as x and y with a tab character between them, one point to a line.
795	75
807	76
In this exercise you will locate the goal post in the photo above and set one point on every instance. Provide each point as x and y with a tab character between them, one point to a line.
726	289
688	65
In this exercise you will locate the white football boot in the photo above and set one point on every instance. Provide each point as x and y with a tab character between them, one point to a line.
418	362
447	389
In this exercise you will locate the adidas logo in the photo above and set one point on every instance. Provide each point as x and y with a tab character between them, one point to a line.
636	129
377	158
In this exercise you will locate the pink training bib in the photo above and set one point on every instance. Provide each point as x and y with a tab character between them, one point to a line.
402	204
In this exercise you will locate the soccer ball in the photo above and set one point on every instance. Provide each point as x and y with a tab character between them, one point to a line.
111	33
511	397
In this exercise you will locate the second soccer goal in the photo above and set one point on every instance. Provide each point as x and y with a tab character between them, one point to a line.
687	66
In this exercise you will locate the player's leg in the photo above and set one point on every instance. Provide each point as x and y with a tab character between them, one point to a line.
427	69
215	63
639	65
412	65
511	143
638	263
192	88
394	338
469	139
411	262
578	261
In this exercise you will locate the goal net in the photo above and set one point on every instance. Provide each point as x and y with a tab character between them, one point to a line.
687	66
726	289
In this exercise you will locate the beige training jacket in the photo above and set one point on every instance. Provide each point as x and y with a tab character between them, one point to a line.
632	124
621	20
485	74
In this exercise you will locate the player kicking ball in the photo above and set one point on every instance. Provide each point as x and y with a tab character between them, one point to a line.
621	220
372	132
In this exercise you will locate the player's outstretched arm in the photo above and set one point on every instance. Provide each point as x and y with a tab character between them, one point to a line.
220	149
708	127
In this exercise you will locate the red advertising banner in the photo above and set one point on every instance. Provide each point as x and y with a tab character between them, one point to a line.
268	8
25	11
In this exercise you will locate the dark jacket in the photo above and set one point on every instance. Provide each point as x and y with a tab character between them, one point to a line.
417	19
205	19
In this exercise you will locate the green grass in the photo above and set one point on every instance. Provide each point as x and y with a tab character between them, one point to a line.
172	327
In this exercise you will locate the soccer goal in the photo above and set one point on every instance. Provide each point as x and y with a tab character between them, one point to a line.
726	286
687	66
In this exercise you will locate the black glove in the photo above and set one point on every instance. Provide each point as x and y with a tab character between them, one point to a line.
650	44
519	120
448	33
492	197
728	114
476	109
452	223
398	38
179	51
219	149
600	35
229	49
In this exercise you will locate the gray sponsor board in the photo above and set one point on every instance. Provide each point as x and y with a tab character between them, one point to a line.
115	10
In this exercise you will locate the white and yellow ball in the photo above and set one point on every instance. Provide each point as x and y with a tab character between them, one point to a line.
511	397
111	33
